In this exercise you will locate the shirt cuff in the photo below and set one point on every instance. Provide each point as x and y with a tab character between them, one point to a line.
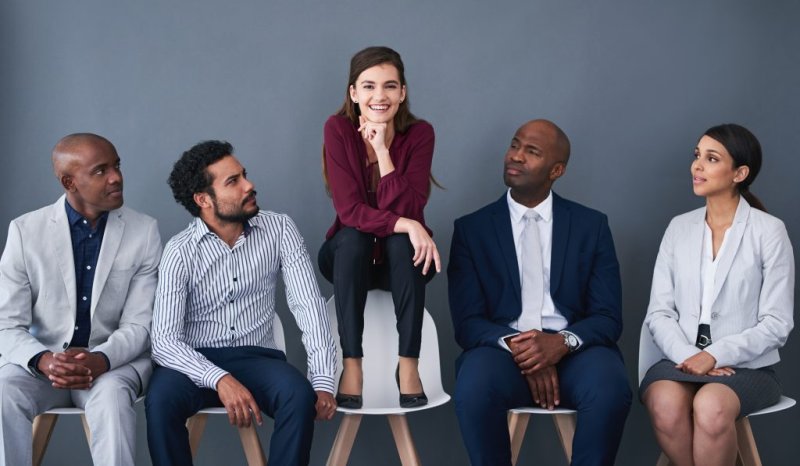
322	383
212	377
502	341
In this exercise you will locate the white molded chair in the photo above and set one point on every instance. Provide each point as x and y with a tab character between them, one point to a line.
380	391
43	426
747	455
248	435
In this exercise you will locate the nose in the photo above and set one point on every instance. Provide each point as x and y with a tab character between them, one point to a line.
114	175
515	155
248	185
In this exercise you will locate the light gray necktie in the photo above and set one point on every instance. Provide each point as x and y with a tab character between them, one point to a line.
532	274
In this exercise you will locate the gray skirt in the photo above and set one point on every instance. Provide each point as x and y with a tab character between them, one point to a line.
756	388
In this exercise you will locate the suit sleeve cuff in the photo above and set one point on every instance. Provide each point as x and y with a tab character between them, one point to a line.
108	362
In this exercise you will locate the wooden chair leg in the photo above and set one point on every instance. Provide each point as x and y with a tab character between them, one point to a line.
403	440
252	446
565	426
86	429
43	425
663	460
517	425
340	452
748	452
196	425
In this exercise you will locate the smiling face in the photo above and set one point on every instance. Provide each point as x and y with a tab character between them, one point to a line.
89	170
378	93
231	198
533	162
713	171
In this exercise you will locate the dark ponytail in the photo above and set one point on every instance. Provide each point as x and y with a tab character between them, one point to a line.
744	149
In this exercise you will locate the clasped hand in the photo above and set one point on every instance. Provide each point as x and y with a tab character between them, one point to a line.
74	369
703	363
536	353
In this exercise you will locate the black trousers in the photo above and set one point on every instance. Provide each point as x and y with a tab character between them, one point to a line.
346	261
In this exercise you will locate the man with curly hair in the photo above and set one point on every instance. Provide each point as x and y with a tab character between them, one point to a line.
212	333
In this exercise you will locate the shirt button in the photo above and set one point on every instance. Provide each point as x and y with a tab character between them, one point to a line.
88	267
714	315
232	327
231	301
84	298
66	345
85	222
76	327
90	236
235	279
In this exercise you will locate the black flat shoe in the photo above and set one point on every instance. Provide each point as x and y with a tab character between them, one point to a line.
349	401
412	400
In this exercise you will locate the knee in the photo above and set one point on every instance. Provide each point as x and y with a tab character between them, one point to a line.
110	397
299	400
351	243
667	413
711	416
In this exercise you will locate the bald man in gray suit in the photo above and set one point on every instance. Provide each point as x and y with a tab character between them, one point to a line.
77	283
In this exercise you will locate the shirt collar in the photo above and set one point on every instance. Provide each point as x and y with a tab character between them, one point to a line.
517	210
74	217
200	229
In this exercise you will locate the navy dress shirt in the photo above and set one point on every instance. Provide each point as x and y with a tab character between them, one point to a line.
86	242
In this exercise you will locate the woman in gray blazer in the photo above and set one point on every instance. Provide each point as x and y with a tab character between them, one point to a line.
720	306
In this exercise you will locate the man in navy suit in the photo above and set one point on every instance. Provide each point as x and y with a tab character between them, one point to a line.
538	323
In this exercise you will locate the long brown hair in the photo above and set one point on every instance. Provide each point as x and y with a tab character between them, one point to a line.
361	61
744	148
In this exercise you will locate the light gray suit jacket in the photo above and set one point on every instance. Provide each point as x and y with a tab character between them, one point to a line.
38	288
751	314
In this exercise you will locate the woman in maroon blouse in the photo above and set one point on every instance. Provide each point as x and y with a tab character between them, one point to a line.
377	165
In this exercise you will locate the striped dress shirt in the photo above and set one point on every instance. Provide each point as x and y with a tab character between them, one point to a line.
211	295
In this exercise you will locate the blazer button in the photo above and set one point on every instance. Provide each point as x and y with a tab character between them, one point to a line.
66	345
714	315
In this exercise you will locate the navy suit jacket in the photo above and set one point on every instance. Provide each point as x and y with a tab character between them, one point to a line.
484	282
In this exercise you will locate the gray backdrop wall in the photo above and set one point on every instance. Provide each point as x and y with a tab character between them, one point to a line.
633	83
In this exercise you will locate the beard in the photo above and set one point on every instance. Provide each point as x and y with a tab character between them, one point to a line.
236	214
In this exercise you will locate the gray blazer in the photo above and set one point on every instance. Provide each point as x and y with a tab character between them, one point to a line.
751	314
37	288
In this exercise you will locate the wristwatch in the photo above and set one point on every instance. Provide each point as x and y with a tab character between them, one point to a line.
570	340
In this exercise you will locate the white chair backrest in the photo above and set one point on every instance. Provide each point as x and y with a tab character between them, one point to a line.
380	353
277	333
649	354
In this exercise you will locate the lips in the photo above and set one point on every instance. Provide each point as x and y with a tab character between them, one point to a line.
698	180
379	108
513	171
115	193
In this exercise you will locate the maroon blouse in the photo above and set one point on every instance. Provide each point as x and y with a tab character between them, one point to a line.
402	193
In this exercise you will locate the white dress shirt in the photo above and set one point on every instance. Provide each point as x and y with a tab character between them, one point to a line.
708	272
551	318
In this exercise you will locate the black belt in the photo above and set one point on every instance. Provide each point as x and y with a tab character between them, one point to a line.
703	336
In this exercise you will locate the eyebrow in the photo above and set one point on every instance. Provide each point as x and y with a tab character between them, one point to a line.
391	81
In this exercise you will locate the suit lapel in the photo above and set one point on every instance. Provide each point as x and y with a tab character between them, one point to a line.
501	218
692	247
60	245
734	239
558	251
108	251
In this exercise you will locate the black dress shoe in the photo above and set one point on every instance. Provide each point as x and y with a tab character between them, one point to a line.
349	401
413	400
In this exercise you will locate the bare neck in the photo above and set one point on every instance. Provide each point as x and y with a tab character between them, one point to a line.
721	209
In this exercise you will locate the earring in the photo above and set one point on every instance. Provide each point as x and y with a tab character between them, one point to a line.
355	101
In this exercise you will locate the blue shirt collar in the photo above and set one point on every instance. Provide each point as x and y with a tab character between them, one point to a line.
74	217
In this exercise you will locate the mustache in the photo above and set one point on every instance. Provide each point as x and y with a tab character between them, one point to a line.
250	196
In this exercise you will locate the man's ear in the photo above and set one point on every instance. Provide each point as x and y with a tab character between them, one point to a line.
68	183
202	200
558	171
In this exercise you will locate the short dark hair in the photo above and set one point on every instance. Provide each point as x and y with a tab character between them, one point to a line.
189	174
